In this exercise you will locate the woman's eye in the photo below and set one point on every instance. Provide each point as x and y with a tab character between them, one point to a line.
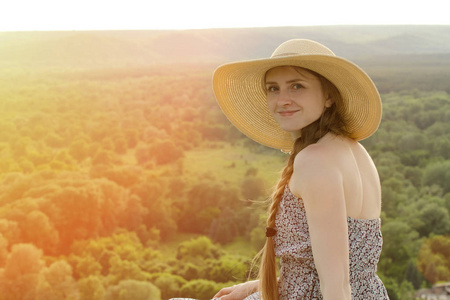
297	86
272	89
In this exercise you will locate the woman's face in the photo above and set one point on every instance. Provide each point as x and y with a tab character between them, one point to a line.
295	98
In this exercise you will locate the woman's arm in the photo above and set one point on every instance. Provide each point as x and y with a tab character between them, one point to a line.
319	182
238	292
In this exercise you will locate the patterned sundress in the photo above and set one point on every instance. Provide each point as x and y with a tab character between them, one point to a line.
298	275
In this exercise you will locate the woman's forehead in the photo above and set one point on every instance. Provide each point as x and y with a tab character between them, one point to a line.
290	70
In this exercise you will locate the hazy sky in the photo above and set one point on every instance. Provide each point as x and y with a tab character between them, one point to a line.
30	15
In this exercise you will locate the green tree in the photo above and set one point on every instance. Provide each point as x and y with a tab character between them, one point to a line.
87	266
56	282
15	185
20	147
397	249
67	209
164	152
199	289
10	230
91	288
54	140
433	219
159	210
103	157
205	201
20	275
225	227
65	158
142	154
228	268
79	149
133	289
170	285
392	287
120	145
190	271
438	173
406	290
3	250
434	259
123	269
131	137
413	275
37	229
133	213
201	246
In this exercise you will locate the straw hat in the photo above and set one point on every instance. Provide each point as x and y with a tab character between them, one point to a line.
239	90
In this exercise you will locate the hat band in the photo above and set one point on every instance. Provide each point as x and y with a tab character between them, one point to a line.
285	54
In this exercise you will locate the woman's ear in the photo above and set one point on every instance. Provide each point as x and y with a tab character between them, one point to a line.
329	102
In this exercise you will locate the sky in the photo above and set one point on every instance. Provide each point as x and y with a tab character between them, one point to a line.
67	15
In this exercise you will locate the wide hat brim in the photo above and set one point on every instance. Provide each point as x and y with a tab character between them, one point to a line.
239	91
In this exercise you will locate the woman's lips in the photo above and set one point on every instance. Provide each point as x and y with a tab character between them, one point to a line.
287	113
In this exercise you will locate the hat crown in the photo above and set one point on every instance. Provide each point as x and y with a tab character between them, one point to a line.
301	47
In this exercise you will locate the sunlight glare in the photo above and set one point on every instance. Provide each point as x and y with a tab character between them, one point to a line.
24	15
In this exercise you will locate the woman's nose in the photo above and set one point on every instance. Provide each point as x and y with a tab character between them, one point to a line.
284	98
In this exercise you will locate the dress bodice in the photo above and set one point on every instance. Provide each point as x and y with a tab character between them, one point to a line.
298	275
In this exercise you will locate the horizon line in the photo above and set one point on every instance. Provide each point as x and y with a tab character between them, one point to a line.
214	28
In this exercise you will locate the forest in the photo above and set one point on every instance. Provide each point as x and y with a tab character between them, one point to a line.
124	182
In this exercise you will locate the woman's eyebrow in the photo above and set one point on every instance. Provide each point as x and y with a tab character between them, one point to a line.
289	81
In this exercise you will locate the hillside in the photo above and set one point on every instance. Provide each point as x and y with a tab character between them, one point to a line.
139	48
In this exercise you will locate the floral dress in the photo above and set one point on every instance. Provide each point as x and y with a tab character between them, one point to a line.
298	275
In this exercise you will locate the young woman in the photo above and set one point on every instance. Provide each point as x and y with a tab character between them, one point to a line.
324	217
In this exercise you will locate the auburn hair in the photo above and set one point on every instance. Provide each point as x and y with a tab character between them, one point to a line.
330	121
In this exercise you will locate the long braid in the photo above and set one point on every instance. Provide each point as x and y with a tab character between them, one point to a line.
330	121
268	270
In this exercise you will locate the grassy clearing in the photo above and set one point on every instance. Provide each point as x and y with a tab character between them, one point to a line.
230	164
240	246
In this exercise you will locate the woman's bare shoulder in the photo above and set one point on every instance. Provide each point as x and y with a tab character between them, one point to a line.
317	155
312	166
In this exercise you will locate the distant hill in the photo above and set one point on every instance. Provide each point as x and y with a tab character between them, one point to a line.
86	49
383	51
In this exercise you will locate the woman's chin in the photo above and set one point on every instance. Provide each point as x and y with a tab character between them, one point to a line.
295	132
